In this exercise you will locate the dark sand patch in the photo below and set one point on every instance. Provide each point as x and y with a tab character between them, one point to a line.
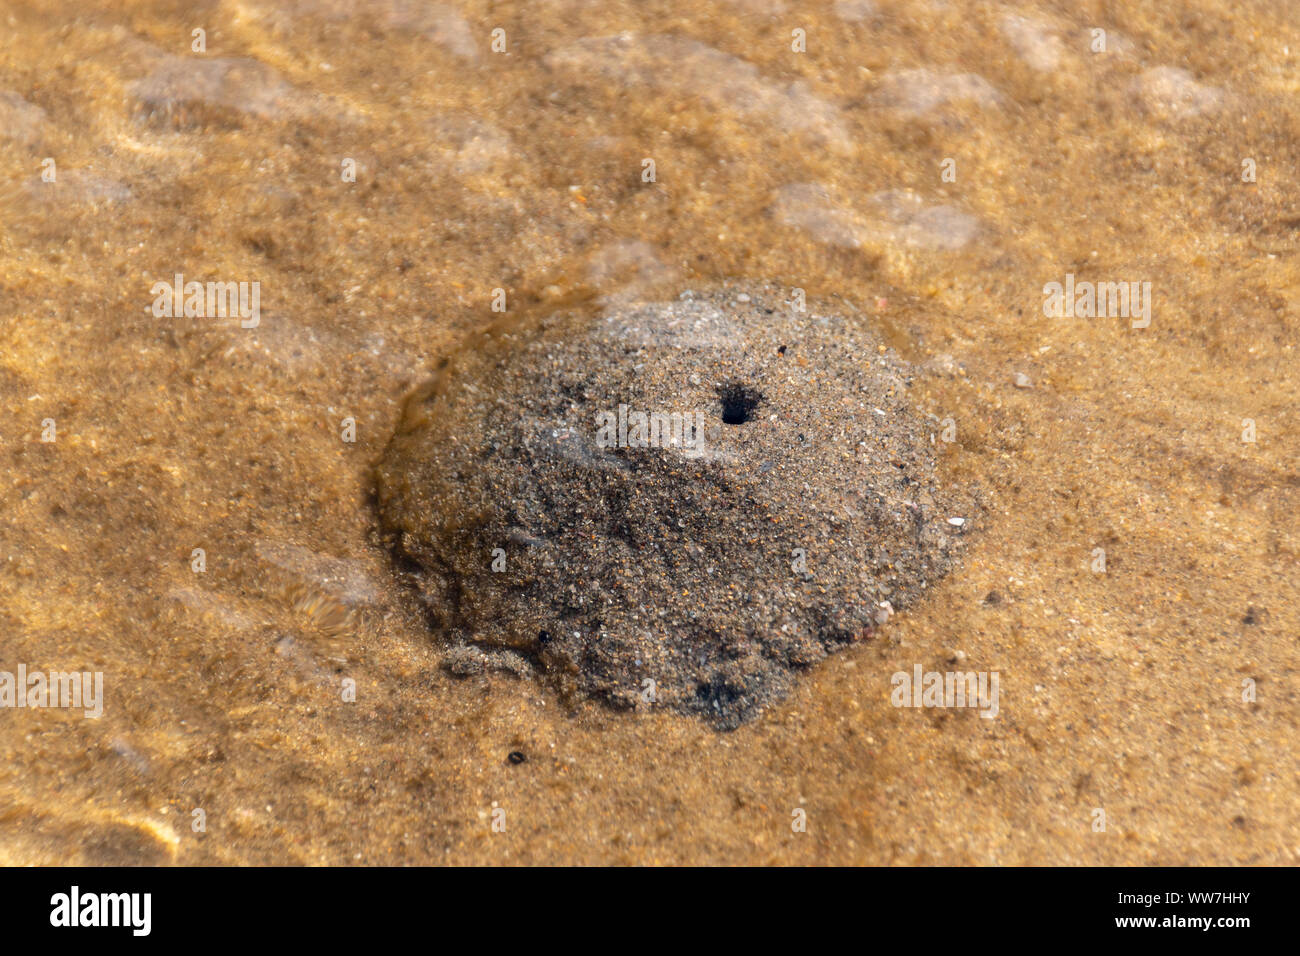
680	504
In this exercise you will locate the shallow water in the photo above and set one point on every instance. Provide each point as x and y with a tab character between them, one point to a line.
1121	689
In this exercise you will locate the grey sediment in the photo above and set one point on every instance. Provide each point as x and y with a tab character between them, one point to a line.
699	569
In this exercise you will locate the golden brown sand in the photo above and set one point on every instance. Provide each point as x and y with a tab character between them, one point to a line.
1121	690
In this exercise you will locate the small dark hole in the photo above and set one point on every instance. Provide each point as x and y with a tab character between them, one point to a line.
717	692
738	403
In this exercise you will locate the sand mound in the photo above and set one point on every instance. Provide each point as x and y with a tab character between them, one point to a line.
677	504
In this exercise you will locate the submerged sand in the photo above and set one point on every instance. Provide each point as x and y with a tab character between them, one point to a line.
931	166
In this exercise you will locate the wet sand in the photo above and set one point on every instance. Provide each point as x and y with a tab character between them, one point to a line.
1121	690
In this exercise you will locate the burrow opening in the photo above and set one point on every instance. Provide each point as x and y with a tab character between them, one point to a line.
738	403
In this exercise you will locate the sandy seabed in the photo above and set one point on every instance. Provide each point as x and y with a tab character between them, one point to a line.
380	171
